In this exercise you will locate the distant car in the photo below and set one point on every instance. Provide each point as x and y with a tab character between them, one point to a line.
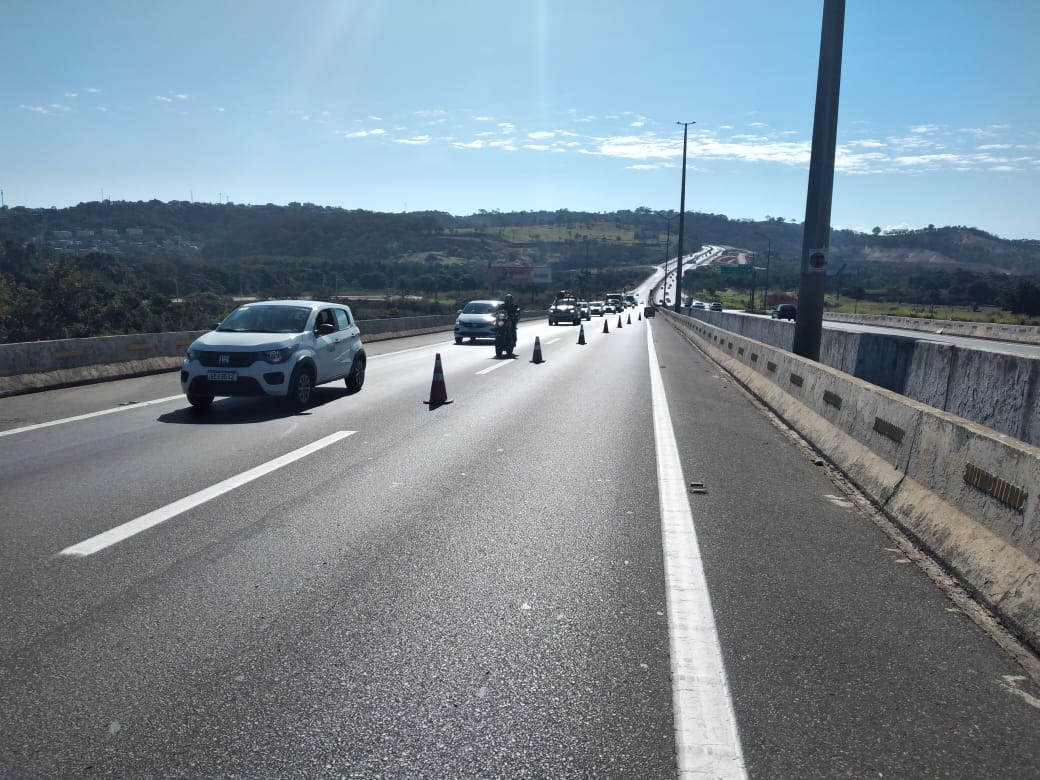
565	310
596	307
585	309
282	349
699	305
476	320
785	311
716	306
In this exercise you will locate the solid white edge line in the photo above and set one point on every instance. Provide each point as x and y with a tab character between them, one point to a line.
707	743
88	415
144	522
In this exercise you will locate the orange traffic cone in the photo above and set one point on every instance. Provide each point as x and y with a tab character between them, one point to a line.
629	319
619	321
537	351
581	335
438	390
606	329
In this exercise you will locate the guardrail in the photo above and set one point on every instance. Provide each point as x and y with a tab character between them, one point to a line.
966	493
993	388
42	365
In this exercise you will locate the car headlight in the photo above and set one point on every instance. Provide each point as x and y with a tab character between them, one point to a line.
193	354
276	355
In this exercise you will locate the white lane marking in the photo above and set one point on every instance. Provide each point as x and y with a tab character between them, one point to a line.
495	367
161	515
87	416
707	743
434	346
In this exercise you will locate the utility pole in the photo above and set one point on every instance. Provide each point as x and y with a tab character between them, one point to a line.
816	232
769	254
668	240
682	221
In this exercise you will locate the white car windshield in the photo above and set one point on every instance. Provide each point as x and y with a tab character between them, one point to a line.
481	307
266	319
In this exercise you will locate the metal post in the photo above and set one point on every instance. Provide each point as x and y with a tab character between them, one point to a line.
682	221
816	232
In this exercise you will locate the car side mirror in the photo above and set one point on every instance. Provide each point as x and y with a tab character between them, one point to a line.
325	329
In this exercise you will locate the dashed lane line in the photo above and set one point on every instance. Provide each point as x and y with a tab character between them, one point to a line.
161	515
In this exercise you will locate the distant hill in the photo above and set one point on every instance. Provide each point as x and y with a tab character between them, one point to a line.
224	232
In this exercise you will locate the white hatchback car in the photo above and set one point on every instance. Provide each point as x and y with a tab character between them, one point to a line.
275	348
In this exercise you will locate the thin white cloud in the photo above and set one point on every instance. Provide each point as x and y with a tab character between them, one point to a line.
637	124
71	94
541	135
924	129
93	90
537	147
34	109
60	107
478	144
371	117
365	133
507	126
102	109
164	99
419	140
220	109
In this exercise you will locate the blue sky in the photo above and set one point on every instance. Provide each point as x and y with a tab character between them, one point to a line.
462	105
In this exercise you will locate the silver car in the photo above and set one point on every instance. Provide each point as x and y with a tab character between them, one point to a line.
476	320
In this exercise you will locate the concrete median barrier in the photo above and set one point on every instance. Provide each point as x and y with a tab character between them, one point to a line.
965	492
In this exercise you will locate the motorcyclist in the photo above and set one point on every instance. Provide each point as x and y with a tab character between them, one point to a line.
512	313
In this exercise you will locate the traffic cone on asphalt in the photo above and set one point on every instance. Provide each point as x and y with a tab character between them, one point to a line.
619	320
537	351
581	335
438	390
605	328
640	315
629	319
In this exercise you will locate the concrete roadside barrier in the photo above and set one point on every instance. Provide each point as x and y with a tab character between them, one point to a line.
966	493
32	366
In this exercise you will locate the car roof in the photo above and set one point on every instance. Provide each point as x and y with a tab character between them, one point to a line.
484	300
295	303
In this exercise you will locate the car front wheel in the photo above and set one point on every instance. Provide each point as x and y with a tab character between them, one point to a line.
200	401
356	378
301	387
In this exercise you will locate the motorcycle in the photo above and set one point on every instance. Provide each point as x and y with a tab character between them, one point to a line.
505	336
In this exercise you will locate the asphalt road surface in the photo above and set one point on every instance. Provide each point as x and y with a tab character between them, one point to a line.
509	585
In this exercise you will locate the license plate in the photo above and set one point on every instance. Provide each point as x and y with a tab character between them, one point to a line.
222	376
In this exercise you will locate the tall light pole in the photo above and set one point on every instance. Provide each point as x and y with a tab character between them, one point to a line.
682	220
769	253
668	240
808	328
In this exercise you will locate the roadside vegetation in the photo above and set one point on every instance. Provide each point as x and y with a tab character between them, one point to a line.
116	267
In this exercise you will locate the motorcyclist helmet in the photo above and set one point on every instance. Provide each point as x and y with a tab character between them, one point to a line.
509	298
